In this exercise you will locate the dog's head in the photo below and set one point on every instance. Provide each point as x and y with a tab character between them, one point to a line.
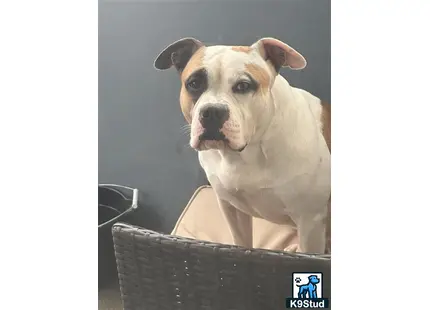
226	90
313	279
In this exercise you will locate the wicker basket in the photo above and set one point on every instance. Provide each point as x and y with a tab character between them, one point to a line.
159	271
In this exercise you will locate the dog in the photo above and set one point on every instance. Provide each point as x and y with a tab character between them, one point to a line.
263	144
309	290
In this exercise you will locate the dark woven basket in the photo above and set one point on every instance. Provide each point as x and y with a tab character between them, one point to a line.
158	271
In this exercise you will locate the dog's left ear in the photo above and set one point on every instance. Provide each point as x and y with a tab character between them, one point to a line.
177	54
279	54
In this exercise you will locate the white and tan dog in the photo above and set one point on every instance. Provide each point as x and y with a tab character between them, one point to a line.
264	145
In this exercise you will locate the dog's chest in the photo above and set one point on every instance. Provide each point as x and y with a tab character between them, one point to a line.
264	203
254	190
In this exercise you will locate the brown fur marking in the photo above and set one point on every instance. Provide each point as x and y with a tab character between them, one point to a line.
185	100
194	63
260	75
326	131
328	229
243	49
326	123
186	104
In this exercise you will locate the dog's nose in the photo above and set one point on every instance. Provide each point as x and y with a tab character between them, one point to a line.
214	115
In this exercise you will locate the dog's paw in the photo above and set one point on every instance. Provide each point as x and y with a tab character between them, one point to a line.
292	248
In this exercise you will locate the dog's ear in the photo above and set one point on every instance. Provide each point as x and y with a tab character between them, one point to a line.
177	54
279	54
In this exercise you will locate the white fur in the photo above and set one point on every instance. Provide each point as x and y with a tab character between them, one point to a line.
283	174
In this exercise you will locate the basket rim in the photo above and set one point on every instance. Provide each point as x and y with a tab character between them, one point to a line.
119	227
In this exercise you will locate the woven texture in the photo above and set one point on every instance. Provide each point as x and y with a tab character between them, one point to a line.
164	272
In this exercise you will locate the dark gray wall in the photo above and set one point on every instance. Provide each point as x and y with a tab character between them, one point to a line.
141	143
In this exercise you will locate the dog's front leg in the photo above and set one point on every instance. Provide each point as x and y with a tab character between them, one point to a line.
239	224
312	234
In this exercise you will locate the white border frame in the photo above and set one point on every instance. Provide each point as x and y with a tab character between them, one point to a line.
381	154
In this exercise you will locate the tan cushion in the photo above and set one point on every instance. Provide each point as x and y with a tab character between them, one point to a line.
202	219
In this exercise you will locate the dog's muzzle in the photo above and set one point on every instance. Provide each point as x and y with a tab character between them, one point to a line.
212	117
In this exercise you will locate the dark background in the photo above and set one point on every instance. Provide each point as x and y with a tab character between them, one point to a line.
141	141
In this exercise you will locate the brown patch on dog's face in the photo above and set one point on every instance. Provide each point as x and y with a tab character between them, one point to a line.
260	75
186	104
326	123
195	62
186	99
243	49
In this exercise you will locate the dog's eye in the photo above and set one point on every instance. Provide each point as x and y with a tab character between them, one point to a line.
194	85
242	87
197	83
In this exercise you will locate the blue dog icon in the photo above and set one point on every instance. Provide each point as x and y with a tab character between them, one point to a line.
309	290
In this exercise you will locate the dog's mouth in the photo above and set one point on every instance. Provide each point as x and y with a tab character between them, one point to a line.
212	135
216	140
212	140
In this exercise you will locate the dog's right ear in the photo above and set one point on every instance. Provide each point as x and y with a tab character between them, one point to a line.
177	54
280	54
